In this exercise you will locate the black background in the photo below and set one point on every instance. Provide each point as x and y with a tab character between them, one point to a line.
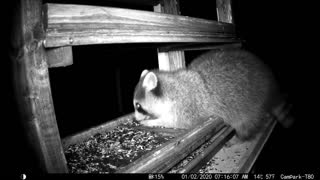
84	94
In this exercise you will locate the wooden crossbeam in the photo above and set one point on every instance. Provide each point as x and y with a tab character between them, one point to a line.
81	24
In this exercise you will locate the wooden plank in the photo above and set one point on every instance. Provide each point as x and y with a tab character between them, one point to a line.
163	158
173	60
224	11
163	131
80	24
137	2
59	57
240	157
32	87
82	136
218	141
248	159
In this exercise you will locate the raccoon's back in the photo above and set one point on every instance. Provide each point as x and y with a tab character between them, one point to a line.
240	86
233	71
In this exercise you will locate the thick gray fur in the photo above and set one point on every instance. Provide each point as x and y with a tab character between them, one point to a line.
231	83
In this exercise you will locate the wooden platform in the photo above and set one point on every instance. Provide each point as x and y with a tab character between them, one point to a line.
205	145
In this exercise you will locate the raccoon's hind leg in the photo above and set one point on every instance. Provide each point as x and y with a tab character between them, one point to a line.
244	131
248	126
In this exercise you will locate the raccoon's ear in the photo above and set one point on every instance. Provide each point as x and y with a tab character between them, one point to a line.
144	72
150	81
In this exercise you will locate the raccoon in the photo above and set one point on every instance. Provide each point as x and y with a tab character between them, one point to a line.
231	83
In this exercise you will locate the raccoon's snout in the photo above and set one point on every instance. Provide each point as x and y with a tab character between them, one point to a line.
140	117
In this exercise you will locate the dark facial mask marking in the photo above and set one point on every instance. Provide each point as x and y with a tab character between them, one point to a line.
143	111
140	109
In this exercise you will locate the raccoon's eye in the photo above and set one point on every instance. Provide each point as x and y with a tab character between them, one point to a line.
138	106
140	109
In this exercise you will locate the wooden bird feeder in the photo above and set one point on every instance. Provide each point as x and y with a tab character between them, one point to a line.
45	35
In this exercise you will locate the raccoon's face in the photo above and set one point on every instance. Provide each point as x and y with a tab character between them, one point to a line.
148	101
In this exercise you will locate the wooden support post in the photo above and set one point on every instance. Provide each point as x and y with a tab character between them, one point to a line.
59	57
224	11
172	60
32	87
169	61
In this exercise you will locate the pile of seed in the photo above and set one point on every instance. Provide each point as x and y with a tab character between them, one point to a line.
110	151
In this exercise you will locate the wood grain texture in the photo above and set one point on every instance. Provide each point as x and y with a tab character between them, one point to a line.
59	57
170	7
169	154
240	157
163	131
219	140
137	2
198	46
224	11
248	159
173	60
80	24
32	88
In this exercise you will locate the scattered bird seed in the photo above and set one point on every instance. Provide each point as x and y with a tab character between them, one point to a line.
110	151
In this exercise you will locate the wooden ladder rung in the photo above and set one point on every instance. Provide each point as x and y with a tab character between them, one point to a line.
68	25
